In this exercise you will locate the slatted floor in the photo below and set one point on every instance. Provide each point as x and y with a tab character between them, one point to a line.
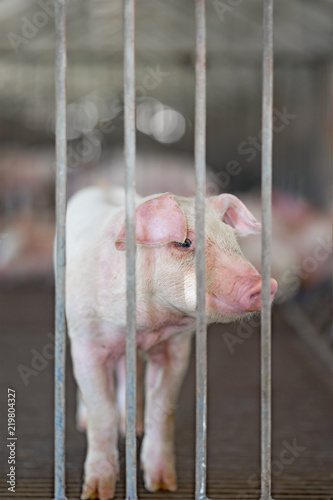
302	411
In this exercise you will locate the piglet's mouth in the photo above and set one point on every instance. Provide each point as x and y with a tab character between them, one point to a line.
223	307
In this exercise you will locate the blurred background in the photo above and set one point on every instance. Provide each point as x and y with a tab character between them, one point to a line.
165	109
165	56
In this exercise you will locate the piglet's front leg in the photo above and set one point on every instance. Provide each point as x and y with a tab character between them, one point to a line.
101	467
165	371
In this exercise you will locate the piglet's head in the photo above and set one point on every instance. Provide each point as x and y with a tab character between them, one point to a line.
237	289
158	221
165	233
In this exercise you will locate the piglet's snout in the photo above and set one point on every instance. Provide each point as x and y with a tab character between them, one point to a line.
251	297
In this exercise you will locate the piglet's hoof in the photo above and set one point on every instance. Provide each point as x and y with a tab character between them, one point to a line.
160	478
159	470
100	481
102	488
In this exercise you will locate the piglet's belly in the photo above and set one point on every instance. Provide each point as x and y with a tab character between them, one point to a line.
114	340
146	341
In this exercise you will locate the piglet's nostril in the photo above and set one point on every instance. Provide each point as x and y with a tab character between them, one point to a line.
255	291
255	296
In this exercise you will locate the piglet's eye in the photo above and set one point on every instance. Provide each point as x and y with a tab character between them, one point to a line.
187	243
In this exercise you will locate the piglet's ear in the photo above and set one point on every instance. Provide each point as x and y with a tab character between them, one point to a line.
158	221
234	213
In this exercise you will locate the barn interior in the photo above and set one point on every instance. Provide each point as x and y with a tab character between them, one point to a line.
302	356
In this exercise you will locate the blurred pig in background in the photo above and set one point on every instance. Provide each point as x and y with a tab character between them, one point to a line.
27	184
26	216
301	243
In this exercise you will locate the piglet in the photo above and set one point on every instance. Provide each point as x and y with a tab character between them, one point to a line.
166	305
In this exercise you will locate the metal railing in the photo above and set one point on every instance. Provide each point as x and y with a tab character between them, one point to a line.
129	134
61	184
200	169
200	262
266	218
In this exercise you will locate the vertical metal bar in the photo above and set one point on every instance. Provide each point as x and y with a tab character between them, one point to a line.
129	104
201	328
266	190
61	181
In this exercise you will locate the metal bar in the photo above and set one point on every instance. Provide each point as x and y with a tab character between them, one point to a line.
61	184
129	136
200	191
266	190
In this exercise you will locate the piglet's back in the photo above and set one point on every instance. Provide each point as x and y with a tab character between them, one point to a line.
89	213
